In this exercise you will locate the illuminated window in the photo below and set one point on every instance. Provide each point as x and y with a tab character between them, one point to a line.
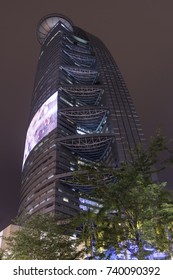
65	199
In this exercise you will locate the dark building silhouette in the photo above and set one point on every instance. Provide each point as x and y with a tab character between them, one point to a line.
81	111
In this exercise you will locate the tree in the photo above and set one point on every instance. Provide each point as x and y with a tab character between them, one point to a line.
134	208
41	237
130	208
1	254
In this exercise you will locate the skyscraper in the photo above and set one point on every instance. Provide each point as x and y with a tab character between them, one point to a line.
81	111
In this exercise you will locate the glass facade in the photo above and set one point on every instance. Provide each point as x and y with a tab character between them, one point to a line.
81	111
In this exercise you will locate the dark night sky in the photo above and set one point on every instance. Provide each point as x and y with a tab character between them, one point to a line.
138	33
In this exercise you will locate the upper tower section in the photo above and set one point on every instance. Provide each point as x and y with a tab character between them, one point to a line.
49	22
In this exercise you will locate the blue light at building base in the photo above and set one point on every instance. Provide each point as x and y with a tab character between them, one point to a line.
130	253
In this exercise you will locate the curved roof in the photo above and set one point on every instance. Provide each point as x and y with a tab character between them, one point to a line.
47	23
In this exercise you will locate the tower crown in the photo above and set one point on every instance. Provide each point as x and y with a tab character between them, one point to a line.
47	24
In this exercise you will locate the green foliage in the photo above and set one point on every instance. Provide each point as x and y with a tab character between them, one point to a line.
1	254
133	206
41	237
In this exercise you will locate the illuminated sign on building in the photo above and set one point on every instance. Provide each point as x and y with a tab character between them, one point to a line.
43	122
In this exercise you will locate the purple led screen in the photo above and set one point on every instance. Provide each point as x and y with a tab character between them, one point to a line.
43	122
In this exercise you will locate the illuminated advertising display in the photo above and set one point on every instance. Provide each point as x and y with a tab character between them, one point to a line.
43	122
